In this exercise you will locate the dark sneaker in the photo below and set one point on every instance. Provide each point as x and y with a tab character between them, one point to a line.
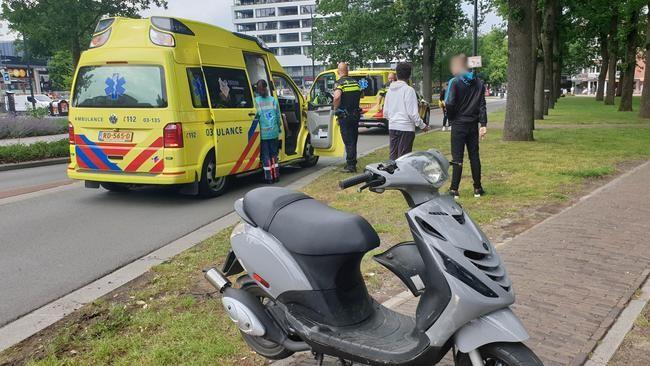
454	193
350	169
478	192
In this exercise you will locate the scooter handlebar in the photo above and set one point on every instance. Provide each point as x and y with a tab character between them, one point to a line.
357	179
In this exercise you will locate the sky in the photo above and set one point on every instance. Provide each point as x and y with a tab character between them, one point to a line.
219	12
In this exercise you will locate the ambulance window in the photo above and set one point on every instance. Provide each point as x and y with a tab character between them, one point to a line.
322	93
120	86
228	88
370	85
284	89
197	87
256	67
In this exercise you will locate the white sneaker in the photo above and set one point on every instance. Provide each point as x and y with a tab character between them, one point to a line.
444	128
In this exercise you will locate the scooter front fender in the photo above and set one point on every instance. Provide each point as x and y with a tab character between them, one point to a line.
499	326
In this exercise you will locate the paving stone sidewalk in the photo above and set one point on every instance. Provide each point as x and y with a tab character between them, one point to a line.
574	272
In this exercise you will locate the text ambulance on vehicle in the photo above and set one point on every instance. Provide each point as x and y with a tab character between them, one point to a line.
165	101
373	83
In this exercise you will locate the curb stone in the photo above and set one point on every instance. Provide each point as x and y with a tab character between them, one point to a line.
34	163
614	336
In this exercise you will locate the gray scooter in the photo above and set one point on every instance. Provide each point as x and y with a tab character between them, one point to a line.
302	288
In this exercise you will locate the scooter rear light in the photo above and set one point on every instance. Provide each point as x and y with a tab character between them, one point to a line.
71	133
262	281
173	135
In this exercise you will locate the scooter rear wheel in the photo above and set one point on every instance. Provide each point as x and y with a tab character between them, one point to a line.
263	347
503	354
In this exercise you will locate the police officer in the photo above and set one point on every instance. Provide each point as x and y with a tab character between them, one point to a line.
347	95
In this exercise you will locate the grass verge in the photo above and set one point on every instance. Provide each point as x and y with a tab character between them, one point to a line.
169	316
586	111
36	151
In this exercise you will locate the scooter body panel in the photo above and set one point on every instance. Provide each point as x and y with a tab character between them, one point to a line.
448	242
261	253
499	326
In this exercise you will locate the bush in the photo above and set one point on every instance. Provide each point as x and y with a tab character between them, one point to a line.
38	113
25	126
38	151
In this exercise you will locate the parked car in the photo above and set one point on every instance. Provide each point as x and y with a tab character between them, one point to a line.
24	102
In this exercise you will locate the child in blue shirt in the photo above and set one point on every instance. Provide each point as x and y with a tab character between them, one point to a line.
270	120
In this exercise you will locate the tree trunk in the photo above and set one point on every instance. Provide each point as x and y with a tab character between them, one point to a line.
519	106
604	59
557	77
630	64
539	90
613	60
547	45
557	51
644	110
537	64
75	52
621	78
426	63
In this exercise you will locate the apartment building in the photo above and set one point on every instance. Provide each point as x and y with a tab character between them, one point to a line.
285	26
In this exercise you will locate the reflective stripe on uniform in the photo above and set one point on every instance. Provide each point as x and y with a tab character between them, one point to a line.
350	87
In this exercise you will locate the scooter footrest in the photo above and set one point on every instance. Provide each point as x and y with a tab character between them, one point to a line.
386	337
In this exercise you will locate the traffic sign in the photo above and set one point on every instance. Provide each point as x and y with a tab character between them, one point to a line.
474	62
6	77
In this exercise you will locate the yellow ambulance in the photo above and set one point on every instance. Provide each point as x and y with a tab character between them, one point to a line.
374	83
166	101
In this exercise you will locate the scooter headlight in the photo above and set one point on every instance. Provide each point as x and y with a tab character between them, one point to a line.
431	164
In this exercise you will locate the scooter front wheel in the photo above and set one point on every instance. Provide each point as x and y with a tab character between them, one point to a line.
503	354
261	346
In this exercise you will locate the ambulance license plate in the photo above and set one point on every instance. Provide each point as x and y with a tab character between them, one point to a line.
115	136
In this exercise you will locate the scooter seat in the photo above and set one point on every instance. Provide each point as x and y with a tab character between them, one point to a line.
307	227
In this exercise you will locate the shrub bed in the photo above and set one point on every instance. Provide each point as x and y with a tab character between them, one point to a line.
25	126
37	151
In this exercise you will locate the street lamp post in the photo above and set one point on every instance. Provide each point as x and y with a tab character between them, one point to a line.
30	73
313	45
475	28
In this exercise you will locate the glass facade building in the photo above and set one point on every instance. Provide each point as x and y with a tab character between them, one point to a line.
285	27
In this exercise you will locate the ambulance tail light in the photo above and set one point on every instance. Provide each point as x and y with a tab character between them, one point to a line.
173	135
71	133
161	38
100	39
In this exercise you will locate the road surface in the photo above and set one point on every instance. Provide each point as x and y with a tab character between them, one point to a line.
54	241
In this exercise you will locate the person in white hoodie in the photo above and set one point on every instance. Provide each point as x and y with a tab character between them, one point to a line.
401	110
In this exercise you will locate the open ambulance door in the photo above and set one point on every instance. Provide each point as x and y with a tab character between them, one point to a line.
236	136
324	129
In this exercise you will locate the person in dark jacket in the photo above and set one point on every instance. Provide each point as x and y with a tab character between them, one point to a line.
465	103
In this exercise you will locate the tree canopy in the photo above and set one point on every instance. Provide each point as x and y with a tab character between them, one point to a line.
362	31
55	25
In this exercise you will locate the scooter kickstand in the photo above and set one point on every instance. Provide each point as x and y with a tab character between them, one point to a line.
319	358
